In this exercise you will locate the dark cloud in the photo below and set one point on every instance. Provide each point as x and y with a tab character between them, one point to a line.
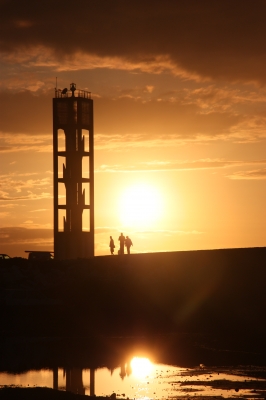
217	39
25	112
13	235
33	115
153	118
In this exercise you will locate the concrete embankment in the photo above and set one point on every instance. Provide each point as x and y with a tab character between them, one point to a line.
215	291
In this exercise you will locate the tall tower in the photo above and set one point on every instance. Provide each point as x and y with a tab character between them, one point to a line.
73	174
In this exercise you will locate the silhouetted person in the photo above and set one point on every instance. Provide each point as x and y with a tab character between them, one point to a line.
122	243
112	245
128	243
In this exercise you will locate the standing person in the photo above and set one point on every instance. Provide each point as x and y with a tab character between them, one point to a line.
128	243
112	245
122	243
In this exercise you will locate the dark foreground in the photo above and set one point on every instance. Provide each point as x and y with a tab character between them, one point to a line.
186	307
40	394
196	291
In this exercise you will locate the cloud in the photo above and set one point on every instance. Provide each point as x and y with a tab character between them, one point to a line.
153	118
10	182
207	39
170	232
25	112
39	210
23	188
29	224
20	235
104	230
220	98
149	88
178	165
130	118
25	143
10	205
253	174
29	196
4	214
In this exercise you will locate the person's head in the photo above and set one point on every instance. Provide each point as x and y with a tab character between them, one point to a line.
127	237
110	237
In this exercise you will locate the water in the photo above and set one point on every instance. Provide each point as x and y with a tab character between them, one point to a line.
156	367
142	379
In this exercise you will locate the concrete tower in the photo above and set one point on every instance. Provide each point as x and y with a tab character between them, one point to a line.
73	174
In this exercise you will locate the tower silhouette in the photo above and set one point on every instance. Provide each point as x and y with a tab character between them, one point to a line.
73	154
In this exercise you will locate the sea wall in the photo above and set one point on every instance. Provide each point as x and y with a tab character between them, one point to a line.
208	291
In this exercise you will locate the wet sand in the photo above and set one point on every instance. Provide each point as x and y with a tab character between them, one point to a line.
199	383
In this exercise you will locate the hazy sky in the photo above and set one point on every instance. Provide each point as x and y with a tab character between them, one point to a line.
180	119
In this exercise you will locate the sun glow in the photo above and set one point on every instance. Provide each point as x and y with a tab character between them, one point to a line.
140	206
141	367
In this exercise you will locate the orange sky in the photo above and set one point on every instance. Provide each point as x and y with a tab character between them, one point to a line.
179	107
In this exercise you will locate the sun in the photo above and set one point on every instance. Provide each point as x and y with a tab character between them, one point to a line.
140	206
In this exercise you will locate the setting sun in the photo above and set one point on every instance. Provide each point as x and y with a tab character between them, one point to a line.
171	149
140	206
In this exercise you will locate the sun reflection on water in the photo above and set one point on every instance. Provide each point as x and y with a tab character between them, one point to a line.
140	379
141	367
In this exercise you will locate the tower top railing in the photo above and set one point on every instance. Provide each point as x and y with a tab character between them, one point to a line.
72	92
